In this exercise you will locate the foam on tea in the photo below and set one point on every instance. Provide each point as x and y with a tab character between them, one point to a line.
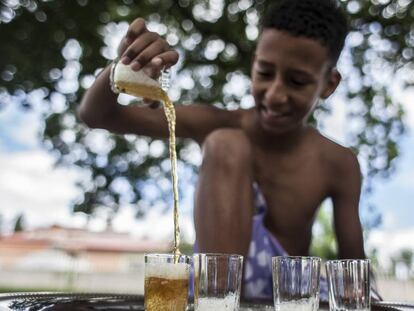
136	83
168	270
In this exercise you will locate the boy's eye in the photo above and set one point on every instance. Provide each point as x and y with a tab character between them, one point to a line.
299	81
264	73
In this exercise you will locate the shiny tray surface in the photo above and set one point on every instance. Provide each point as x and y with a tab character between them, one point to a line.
116	302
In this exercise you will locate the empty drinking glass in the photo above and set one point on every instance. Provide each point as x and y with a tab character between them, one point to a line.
296	283
349	284
217	282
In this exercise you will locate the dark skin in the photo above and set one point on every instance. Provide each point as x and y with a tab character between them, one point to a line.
272	144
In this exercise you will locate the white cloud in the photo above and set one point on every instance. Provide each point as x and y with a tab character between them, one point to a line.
155	225
406	176
20	126
407	181
409	108
334	126
390	242
390	220
406	97
30	184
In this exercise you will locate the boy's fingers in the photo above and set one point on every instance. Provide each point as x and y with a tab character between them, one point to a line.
146	47
136	28
157	62
153	49
165	60
122	46
143	49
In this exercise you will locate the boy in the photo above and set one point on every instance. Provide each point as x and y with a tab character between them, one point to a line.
265	171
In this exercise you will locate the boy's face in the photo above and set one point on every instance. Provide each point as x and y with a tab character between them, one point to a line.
289	75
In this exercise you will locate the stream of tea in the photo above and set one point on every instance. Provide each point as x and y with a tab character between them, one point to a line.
157	93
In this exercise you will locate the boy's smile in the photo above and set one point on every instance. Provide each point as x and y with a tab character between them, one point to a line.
289	75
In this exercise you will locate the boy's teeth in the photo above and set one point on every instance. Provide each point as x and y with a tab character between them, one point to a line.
275	113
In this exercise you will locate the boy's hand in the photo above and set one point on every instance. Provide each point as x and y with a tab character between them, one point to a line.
142	49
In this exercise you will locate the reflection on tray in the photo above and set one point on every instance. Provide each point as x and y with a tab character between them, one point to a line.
112	302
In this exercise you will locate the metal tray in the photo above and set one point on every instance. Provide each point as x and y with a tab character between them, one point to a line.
116	302
87	302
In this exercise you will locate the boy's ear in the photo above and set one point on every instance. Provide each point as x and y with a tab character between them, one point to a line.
332	81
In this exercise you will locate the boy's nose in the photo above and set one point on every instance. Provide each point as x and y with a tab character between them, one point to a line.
276	94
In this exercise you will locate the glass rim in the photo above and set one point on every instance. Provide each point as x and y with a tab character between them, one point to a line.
351	260
163	79
114	62
315	258
218	255
165	255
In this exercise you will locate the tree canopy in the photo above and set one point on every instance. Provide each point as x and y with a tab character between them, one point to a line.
51	50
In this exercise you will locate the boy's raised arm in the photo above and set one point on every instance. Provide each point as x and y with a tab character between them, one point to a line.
141	48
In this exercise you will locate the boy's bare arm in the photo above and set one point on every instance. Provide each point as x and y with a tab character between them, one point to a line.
99	109
141	48
345	198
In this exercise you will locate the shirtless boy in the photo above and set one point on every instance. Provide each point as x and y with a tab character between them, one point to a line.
265	170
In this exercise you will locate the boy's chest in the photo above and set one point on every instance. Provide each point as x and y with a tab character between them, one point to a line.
293	185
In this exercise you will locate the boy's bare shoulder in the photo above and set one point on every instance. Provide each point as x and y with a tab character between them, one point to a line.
339	158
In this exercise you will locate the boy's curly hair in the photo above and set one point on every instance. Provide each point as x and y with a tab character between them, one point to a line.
322	20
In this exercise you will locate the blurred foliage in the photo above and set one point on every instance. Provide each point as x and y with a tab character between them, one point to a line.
406	256
324	240
52	48
187	248
19	224
324	243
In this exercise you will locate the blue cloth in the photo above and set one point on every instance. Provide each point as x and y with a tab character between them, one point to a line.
258	281
263	246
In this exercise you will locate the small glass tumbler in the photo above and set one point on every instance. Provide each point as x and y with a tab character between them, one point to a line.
217	282
349	284
296	283
123	79
166	282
